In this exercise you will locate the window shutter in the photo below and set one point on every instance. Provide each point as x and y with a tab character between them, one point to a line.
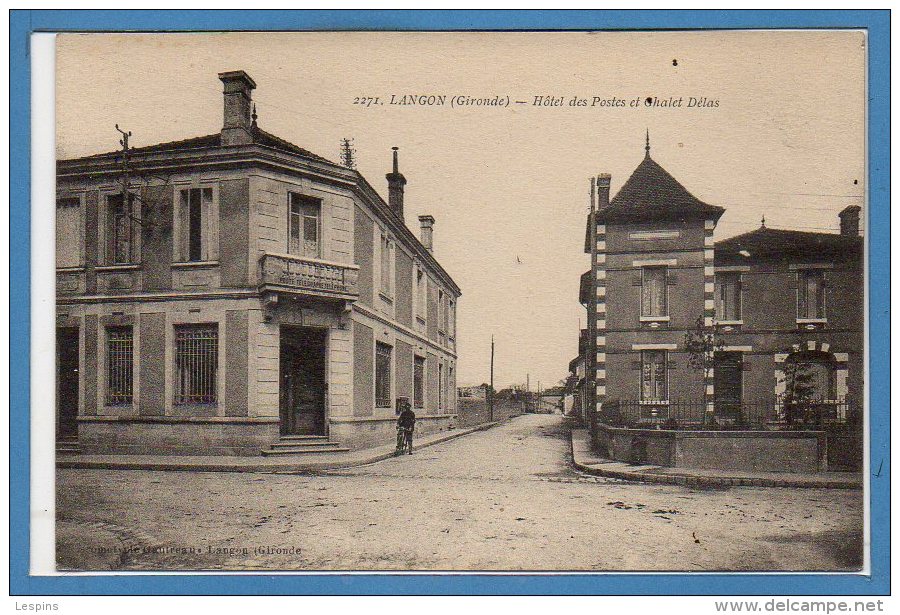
671	278
636	279
635	365
745	366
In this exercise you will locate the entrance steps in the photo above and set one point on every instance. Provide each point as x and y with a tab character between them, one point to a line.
67	446
303	445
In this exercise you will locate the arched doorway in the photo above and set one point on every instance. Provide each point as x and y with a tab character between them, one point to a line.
810	387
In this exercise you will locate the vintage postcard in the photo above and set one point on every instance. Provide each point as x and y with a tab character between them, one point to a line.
461	301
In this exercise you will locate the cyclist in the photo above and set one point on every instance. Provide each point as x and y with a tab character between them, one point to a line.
406	423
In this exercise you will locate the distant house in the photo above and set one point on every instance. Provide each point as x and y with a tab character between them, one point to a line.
784	307
237	294
473	392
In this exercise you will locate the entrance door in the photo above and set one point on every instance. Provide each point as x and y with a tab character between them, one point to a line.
67	382
727	378
303	385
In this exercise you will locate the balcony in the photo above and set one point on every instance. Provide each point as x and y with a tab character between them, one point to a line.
295	275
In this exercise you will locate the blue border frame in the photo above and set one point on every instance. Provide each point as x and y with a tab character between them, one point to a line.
23	23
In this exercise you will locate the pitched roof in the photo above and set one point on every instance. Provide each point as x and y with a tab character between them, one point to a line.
786	244
650	194
260	137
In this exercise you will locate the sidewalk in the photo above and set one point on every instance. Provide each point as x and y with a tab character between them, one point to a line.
286	463
587	461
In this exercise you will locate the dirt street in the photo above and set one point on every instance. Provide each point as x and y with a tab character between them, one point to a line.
501	499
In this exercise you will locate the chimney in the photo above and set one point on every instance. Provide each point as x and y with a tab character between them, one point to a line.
850	220
427	225
603	190
396	181
236	130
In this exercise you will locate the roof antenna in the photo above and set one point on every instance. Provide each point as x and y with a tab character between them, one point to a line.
348	153
647	146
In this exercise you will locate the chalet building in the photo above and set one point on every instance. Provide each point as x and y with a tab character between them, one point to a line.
236	294
784	309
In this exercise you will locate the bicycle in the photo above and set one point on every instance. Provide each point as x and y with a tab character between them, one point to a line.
404	440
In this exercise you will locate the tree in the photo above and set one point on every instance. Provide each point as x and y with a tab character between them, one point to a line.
701	346
799	392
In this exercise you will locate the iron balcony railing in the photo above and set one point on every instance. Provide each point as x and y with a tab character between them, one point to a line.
773	413
308	275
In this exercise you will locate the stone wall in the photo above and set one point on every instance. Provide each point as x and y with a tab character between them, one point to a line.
751	451
372	432
171	436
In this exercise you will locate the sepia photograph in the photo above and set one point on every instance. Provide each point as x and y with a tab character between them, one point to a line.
583	301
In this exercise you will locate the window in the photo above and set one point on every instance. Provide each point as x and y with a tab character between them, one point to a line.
120	229
304	226
68	232
419	382
196	240
654	384
728	296
442	314
387	269
811	295
196	364
421	294
653	291
440	387
451	319
119	366
450	385
382	375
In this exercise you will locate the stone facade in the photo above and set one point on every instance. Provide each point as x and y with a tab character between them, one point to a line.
247	238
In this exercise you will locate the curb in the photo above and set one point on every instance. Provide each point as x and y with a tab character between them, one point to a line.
308	467
693	480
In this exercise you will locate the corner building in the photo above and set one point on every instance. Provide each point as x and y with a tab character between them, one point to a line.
235	294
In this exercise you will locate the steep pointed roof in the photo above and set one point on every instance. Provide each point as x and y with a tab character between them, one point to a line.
652	194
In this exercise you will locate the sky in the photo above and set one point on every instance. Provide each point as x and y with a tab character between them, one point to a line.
509	186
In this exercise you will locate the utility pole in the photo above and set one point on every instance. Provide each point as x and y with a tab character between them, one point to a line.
491	400
527	391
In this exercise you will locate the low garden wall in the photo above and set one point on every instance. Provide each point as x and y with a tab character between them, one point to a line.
757	451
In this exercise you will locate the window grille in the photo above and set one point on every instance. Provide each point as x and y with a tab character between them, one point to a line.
119	366
196	364
382	375
440	387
